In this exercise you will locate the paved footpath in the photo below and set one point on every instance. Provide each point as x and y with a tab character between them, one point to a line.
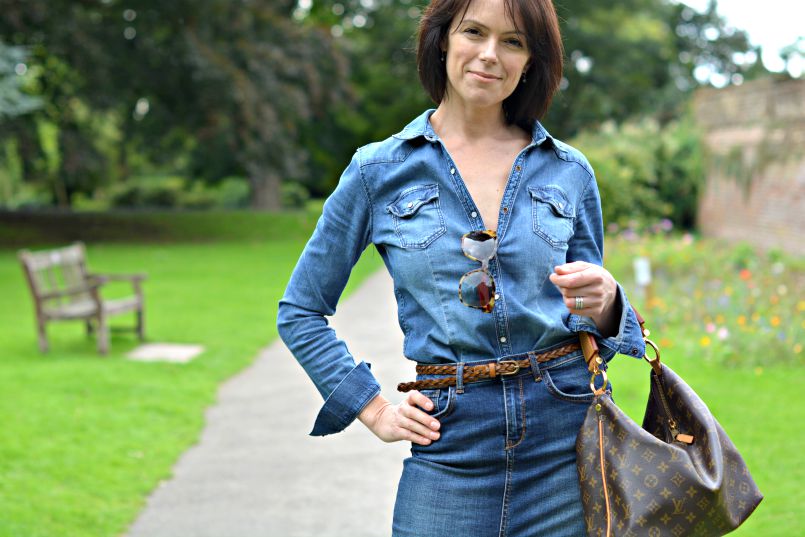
257	473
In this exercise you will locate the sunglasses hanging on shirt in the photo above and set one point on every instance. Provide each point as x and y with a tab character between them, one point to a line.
476	288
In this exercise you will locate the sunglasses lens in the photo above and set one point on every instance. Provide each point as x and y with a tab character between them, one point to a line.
479	245
477	290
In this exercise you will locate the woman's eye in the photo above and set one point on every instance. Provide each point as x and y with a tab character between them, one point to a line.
472	31
514	43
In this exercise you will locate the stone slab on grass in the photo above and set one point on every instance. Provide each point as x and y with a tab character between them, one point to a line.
165	352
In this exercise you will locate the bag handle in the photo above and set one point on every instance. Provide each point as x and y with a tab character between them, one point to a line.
592	357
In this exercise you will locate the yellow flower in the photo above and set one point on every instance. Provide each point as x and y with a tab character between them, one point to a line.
742	320
666	343
719	319
797	348
801	305
705	341
775	321
728	290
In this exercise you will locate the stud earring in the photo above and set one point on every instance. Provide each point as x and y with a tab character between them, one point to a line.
443	56
523	79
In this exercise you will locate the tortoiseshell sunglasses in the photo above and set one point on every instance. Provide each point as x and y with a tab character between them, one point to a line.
476	288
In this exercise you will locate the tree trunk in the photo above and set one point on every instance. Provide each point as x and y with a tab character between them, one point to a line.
265	190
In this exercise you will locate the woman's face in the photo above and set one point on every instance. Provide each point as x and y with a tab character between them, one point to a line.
486	55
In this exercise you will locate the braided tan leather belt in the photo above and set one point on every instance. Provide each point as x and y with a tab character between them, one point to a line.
475	373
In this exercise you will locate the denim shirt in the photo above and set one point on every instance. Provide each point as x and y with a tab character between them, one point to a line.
405	195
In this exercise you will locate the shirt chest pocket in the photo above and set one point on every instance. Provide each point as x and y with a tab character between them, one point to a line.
553	214
417	216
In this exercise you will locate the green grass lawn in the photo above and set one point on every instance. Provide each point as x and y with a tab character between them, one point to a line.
85	438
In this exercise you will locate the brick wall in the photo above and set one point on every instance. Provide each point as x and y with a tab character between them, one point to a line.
754	137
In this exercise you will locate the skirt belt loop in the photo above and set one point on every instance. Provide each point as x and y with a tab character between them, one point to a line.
460	377
532	357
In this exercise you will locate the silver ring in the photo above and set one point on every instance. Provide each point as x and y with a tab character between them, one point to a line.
579	302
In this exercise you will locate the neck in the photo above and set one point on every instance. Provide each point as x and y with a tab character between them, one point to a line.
451	119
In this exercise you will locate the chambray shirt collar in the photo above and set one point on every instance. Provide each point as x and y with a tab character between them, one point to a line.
421	127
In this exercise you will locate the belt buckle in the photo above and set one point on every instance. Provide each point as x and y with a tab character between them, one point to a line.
506	373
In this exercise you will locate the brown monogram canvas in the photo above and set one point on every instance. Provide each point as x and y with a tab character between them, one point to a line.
639	482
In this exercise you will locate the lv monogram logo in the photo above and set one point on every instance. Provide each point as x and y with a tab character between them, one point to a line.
679	506
582	473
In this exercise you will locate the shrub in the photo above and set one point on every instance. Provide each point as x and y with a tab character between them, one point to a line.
173	192
294	195
645	171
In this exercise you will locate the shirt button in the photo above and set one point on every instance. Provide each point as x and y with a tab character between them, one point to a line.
503	339
518	168
634	352
505	210
497	296
474	214
410	204
452	171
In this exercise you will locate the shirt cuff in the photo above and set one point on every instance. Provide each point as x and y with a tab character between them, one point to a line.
344	404
628	340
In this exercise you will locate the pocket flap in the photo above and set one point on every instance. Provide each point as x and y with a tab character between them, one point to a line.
555	197
409	202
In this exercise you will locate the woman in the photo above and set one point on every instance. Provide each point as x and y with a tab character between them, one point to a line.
477	180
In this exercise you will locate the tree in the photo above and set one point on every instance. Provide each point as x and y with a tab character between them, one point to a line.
627	58
229	81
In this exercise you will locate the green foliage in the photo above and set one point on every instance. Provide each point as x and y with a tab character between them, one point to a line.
294	195
630	58
171	192
275	92
240	79
646	171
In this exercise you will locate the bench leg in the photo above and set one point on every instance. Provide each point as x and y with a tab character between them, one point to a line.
103	334
42	336
141	325
90	328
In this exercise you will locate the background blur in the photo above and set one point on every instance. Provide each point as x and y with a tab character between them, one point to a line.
229	104
195	140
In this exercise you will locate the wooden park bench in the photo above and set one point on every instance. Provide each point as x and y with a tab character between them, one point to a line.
63	289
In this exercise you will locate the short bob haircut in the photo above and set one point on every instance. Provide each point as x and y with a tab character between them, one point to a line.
529	101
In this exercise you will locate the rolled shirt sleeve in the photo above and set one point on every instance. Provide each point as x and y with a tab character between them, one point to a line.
342	234
587	244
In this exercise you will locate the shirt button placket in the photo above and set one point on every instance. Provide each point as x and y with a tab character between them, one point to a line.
500	318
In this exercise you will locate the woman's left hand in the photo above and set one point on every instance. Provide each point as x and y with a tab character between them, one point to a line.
596	286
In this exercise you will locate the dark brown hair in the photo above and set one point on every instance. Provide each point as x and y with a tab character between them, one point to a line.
529	101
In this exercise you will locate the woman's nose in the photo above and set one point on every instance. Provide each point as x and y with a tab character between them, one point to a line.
489	52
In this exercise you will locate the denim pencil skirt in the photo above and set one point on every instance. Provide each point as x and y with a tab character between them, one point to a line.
505	464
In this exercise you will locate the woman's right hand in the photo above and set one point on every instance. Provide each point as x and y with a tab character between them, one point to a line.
405	421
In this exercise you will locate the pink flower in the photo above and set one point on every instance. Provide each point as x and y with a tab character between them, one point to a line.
710	327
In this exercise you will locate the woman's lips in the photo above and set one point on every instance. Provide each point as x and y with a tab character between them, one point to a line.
486	77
